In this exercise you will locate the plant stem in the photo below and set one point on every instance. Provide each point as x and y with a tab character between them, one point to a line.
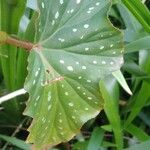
6	39
22	44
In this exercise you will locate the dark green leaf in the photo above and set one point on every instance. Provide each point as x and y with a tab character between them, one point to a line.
76	47
140	11
96	139
139	44
137	132
142	97
10	16
16	142
80	145
132	68
109	90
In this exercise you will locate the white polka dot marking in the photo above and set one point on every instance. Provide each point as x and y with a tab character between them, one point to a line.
60	120
111	45
103	62
91	8
112	63
37	98
61	2
98	3
89	98
61	40
78	1
83	67
70	68
88	11
49	107
57	15
86	108
72	10
53	22
71	104
94	62
86	26
102	47
43	6
74	30
73	117
49	96
34	82
89	81
79	77
66	93
62	61
37	72
86	49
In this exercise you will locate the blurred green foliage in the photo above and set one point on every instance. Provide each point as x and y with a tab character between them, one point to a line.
125	121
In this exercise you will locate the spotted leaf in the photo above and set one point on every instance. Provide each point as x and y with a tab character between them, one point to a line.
76	47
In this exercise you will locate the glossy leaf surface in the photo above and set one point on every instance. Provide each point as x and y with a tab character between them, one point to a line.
77	46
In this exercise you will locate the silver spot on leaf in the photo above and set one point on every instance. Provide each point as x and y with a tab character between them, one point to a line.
78	1
62	61
61	2
83	67
70	68
86	26
57	15
71	104
43	6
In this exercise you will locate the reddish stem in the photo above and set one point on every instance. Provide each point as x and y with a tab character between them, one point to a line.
18	43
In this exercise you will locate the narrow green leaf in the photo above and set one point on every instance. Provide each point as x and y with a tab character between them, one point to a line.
140	11
80	145
131	23
137	45
76	47
107	127
29	35
134	69
96	139
137	132
109	90
108	144
141	98
10	15
136	39
120	78
145	118
139	103
16	142
83	145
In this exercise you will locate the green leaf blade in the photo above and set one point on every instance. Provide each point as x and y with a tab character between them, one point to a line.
74	52
16	142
